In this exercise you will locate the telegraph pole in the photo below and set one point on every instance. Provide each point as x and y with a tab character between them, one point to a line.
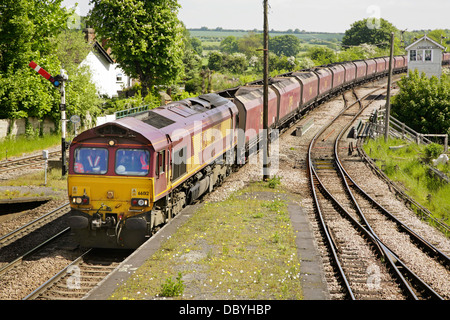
388	98
266	151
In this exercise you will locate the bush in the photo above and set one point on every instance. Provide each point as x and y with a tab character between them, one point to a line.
433	150
172	288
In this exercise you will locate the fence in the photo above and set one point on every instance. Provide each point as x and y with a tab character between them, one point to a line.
123	113
400	130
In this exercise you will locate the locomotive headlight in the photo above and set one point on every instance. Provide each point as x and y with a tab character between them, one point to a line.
111	143
80	200
139	202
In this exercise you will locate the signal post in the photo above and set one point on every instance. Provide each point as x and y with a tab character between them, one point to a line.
58	82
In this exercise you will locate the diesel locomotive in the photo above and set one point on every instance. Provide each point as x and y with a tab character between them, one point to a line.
130	176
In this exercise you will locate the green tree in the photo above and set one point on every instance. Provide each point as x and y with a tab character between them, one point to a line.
249	44
197	46
423	103
321	55
215	60
371	32
286	45
235	63
229	45
145	37
26	34
363	51
81	94
26	28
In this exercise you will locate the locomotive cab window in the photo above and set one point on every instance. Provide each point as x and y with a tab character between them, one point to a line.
161	162
91	160
132	162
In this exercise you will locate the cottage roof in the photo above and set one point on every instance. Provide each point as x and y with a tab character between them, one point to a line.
426	39
103	52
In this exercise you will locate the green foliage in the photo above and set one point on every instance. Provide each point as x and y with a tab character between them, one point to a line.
433	150
322	55
423	103
26	27
370	31
405	167
145	37
286	45
25	35
24	94
229	45
234	63
274	182
16	146
249	44
28	34
172	288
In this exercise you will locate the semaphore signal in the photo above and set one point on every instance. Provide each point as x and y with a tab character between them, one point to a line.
56	82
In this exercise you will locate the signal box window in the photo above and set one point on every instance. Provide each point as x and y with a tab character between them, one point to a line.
132	162
412	55
428	55
91	160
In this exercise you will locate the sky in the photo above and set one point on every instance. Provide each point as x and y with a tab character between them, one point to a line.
309	15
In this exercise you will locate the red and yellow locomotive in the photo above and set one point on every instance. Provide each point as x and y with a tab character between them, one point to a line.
129	176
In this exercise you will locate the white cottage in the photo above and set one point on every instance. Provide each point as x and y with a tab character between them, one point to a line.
108	78
425	55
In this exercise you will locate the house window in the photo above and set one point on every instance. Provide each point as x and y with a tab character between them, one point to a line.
428	55
119	77
419	55
412	55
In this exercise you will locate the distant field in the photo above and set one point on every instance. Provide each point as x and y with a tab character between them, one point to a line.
211	39
219	35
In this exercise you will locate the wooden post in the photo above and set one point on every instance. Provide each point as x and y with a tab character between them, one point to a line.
266	152
388	98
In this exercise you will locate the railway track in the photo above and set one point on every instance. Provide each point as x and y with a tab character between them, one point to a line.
34	225
366	267
55	268
25	162
81	276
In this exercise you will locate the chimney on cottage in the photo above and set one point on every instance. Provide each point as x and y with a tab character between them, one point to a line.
89	35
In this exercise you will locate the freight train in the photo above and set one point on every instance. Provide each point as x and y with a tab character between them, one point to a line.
128	177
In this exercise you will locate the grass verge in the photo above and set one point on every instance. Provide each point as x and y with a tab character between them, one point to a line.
241	248
55	181
16	146
405	166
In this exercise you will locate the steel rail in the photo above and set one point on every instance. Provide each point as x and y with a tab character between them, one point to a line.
6	239
395	263
314	177
37	292
15	164
17	261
